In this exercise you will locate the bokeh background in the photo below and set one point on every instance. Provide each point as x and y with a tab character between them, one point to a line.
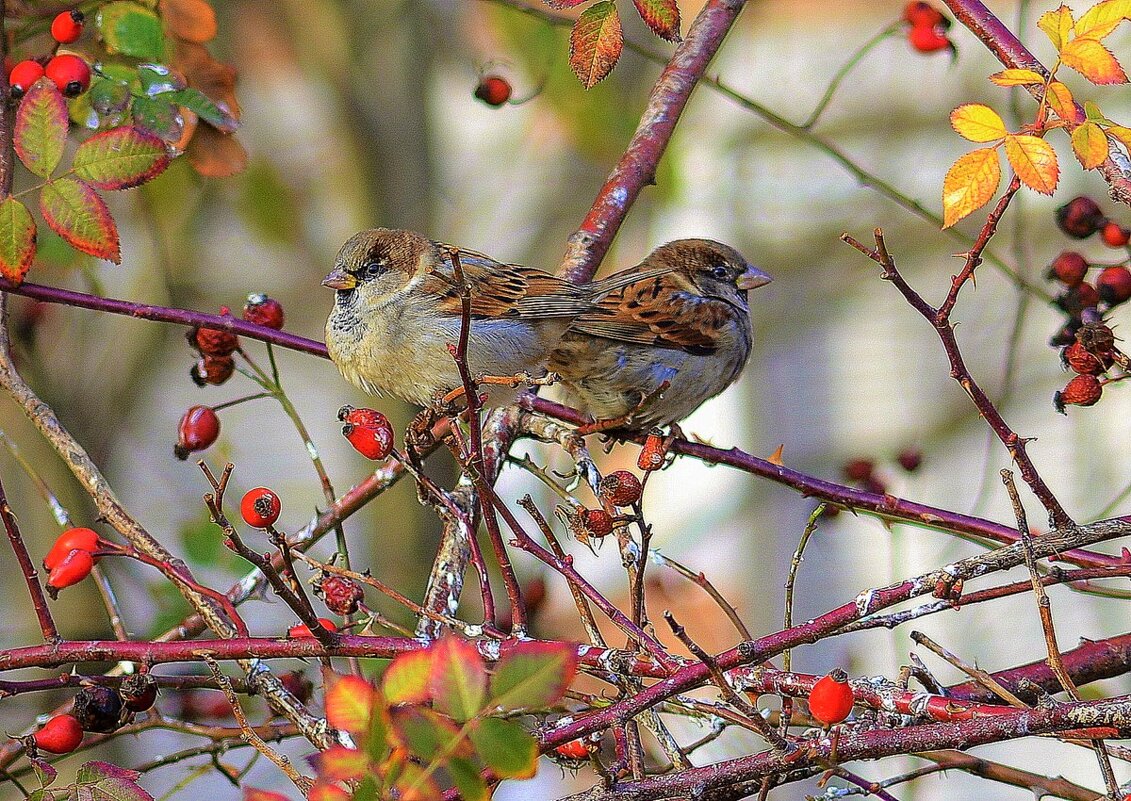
360	113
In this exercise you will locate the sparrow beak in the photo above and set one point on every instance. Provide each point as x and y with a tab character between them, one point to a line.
339	279
752	278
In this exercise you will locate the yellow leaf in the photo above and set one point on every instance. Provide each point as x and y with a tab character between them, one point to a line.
776	456
1056	25
1122	134
1092	60
1034	161
1015	77
1089	144
977	123
969	184
1102	18
1060	100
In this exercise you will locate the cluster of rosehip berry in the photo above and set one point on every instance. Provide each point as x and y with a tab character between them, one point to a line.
863	473
1086	341
926	28
68	71
619	489
71	558
97	709
200	425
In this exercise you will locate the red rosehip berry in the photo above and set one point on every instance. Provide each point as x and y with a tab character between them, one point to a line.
72	569
262	310
1083	361
1083	390
574	749
302	630
23	75
73	539
260	507
928	39
598	523
1079	217
213	370
1077	298
214	341
1069	268
653	453
923	14
621	488
368	431
67	26
830	700
69	73
858	469
493	90
98	709
1114	285
138	692
910	459
60	735
199	428
340	594
1115	235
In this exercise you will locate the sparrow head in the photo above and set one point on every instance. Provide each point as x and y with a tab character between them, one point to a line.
714	270
379	264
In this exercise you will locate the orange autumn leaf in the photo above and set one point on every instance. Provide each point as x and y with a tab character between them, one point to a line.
1017	77
1092	60
1060	101
1122	134
1089	144
978	123
969	184
1034	161
595	43
1102	18
1057	24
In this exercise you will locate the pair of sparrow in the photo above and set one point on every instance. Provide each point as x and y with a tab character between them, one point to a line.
647	345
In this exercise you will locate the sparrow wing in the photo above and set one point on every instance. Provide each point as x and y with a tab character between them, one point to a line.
660	310
507	290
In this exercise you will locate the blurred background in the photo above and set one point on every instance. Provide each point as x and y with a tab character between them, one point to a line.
361	113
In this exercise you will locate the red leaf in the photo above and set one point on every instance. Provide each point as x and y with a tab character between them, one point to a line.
349	704
458	678
662	16
121	158
17	239
75	212
41	128
595	43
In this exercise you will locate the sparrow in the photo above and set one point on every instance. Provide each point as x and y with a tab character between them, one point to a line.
653	348
398	307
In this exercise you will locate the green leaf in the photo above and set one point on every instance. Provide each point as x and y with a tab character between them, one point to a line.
595	43
45	773
75	212
458	678
533	674
506	748
425	732
108	782
41	128
467	780
662	16
17	239
108	96
131	29
406	678
156	79
121	158
218	115
158	115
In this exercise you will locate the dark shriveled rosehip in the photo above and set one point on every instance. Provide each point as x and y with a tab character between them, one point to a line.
138	692
1083	390
1079	217
98	709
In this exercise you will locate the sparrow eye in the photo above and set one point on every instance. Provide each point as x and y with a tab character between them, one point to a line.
720	271
372	269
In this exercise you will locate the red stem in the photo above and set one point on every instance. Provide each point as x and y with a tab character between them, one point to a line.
27	567
637	166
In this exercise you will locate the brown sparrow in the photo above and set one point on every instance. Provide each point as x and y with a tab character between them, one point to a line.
684	320
399	306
